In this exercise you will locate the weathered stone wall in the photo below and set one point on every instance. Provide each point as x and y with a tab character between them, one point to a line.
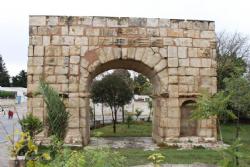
177	55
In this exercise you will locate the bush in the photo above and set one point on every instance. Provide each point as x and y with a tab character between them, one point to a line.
7	94
31	124
57	115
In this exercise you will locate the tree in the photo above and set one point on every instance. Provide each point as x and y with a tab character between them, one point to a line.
98	90
142	86
20	80
125	75
116	94
232	51
239	91
4	76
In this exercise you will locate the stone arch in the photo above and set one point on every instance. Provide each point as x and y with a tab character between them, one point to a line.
142	60
188	127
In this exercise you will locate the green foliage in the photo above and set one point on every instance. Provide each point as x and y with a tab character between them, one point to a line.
142	86
238	90
7	94
31	124
4	76
208	106
156	159
104	157
56	146
138	113
57	115
129	120
228	154
20	80
113	91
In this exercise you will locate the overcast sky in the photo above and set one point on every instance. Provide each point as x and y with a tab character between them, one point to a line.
230	15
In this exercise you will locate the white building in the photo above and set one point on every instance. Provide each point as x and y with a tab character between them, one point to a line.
138	102
20	93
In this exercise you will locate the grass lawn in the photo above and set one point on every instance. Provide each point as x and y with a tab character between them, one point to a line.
138	156
142	129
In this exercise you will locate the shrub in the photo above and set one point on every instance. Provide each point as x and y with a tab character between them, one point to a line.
7	94
31	124
57	115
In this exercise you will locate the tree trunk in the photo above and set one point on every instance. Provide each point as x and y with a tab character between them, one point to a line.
94	115
219	129
123	119
115	121
102	116
149	116
237	136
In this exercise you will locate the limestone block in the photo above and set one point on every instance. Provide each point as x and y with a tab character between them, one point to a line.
192	52
173	90
37	20
50	79
172	71
183	88
30	51
164	23
137	22
81	41
182	52
138	54
86	20
153	32
32	30
84	49
62	79
173	79
181	71
101	56
203	43
208	34
65	30
74	50
173	122
161	65
92	32
105	41
73	136
192	71
46	40
200	25
206	62
49	30
53	51
175	32
172	51
93	41
206	81
93	66
183	41
152	22
38	112
76	30
74	69
36	40
38	51
211	26
173	102
173	132
163	32
112	22
62	40
189	80
184	62
174	24
37	102
172	62
185	24
37	61
191	33
168	41
53	20
99	21
195	62
73	87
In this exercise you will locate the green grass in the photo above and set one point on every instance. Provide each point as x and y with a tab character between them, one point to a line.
142	129
138	156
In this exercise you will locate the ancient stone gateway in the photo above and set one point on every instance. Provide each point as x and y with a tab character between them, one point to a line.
178	56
